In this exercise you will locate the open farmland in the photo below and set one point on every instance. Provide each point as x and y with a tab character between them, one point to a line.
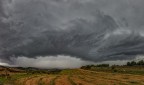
74	77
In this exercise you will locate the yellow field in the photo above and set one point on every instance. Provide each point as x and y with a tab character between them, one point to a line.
81	77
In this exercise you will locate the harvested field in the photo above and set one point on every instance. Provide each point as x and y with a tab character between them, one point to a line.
82	77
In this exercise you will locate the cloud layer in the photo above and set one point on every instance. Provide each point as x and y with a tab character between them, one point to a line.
59	61
91	30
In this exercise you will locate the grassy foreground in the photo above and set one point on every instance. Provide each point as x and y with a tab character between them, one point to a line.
72	77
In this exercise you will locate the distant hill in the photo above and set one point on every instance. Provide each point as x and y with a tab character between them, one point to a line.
4	70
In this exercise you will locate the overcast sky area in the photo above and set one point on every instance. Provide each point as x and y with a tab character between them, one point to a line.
70	33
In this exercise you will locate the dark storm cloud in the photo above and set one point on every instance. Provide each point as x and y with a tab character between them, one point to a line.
120	47
95	30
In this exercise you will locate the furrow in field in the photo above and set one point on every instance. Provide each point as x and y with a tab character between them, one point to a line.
52	82
124	79
128	79
79	81
100	80
22	81
47	80
33	81
62	80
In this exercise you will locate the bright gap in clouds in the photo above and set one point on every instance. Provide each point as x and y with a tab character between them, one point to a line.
59	61
4	64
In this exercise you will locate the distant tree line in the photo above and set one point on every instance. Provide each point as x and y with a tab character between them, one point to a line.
90	66
133	63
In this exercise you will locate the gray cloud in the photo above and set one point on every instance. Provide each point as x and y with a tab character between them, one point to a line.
59	61
93	30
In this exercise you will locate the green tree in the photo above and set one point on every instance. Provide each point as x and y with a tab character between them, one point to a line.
141	62
133	63
128	64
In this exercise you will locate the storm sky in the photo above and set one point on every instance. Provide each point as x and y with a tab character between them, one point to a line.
70	33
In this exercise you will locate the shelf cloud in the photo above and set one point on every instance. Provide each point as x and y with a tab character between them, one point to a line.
89	30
